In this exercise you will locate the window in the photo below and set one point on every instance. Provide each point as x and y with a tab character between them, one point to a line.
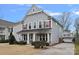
30	26
49	23
25	26
44	24
68	34
2	37
64	35
34	25
10	29
2	28
39	24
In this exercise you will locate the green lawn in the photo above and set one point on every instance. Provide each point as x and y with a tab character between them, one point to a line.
77	48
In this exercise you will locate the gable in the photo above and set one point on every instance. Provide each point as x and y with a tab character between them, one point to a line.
34	9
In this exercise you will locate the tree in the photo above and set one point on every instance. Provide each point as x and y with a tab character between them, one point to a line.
11	38
65	20
77	27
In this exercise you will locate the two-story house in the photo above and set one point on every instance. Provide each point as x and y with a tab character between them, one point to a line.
5	29
36	26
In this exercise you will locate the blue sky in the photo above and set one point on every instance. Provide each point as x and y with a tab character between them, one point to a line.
16	12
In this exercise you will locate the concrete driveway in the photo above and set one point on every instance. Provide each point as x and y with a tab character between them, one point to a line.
59	49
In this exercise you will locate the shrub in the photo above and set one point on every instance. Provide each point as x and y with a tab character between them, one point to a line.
4	41
47	44
61	40
11	38
39	44
36	44
43	43
32	43
20	42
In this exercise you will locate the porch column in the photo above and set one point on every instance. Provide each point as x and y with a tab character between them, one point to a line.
48	37
27	38
33	36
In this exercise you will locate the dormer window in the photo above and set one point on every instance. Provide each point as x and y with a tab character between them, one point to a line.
30	26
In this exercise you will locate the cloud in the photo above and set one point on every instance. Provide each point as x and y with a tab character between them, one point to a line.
55	13
75	11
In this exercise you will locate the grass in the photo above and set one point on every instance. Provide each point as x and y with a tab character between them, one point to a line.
77	48
6	49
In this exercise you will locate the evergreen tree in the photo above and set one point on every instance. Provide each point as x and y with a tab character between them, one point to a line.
11	38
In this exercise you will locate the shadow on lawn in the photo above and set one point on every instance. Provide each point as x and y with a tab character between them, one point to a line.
77	47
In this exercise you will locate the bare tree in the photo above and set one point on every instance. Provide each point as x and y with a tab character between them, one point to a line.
65	20
77	27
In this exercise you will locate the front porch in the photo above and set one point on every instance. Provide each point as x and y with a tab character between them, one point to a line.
30	37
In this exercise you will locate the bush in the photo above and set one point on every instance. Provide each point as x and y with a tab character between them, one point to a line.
11	38
61	40
47	44
39	44
43	43
20	42
4	41
32	43
36	44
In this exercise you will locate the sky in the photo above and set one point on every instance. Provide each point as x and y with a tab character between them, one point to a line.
16	12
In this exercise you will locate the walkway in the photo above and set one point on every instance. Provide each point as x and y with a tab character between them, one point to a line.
59	49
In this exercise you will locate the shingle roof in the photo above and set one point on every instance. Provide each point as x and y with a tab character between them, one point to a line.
6	23
56	21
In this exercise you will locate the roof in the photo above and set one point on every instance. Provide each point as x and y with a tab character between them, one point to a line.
37	10
56	21
6	23
34	9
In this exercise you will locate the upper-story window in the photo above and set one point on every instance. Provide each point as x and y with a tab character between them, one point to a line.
40	25
2	28
34	25
10	29
25	26
30	26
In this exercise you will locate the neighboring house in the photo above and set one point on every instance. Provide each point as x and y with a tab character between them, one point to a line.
5	29
36	26
67	36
